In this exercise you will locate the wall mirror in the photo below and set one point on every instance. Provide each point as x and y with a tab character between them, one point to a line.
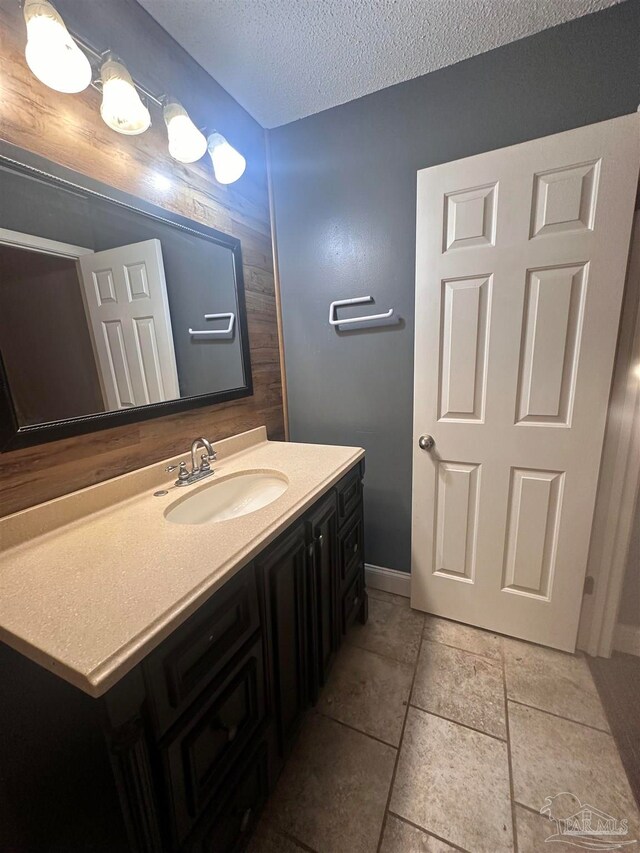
112	310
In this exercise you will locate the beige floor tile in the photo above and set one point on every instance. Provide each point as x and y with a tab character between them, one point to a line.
401	837
462	636
461	686
400	600
454	782
551	756
369	692
533	830
267	840
553	681
393	629
333	790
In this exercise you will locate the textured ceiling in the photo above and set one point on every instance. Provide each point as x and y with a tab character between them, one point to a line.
285	59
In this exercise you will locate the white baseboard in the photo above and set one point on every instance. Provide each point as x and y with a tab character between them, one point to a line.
627	639
388	580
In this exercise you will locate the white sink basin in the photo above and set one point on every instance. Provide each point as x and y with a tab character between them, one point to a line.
231	497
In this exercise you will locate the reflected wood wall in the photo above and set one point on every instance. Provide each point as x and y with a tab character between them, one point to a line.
68	130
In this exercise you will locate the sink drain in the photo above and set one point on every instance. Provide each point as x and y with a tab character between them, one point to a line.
161	493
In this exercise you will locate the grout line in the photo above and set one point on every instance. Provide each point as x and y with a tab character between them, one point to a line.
528	808
378	654
354	729
395	766
559	716
514	827
349	642
295	840
426	832
458	723
496	660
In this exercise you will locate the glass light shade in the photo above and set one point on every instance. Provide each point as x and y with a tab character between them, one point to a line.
51	53
228	164
186	143
122	109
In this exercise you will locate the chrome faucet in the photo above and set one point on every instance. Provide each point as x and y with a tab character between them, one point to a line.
198	471
204	459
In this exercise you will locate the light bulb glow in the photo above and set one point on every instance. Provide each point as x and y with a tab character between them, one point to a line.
228	164
122	108
186	143
51	53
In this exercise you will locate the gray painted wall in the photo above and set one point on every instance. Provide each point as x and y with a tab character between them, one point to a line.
344	190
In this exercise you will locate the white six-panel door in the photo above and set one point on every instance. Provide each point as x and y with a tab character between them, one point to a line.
125	297
521	257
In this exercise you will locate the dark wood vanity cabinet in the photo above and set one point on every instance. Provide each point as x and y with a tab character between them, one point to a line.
181	754
324	587
285	573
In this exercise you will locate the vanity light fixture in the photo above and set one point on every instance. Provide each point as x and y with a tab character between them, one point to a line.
51	53
59	59
228	164
186	143
122	108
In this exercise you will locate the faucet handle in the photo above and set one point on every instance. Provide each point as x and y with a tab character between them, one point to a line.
183	473
204	461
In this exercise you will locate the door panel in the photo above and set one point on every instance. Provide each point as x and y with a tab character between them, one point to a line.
464	333
552	326
534	512
521	257
456	520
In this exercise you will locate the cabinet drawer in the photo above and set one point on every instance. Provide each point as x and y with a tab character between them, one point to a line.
206	748
191	658
231	825
349	493
352	601
350	545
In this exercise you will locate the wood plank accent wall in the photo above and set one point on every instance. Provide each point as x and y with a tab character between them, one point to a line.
68	130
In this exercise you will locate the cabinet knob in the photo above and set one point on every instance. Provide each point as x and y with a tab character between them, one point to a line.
355	548
320	540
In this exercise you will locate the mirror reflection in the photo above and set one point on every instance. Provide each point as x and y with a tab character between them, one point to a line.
104	307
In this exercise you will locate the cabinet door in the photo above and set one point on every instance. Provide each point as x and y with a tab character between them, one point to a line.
322	526
285	568
230	826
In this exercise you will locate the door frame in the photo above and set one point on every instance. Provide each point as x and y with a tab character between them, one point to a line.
619	482
33	243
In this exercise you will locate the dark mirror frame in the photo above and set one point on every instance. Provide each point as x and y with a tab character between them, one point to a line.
12	435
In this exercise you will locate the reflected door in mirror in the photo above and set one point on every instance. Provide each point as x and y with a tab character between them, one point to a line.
125	297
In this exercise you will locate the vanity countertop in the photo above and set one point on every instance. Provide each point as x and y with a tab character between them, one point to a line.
92	581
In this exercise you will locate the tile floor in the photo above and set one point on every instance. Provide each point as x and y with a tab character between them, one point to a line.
433	736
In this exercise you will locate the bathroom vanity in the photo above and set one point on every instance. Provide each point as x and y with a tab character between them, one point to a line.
156	672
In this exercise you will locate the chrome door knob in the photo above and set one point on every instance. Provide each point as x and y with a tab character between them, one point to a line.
426	442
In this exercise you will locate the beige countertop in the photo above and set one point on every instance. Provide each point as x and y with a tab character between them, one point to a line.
92	581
